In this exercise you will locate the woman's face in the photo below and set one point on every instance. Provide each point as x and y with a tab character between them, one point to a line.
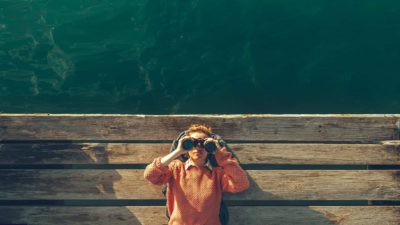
198	153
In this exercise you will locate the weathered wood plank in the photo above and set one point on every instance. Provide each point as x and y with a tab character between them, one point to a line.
154	215
249	127
319	215
265	185
142	153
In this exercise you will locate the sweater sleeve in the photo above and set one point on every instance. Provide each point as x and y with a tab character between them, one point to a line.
233	177
157	173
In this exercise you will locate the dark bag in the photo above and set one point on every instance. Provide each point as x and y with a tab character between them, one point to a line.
223	211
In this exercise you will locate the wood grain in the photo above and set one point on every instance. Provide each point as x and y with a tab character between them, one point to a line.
246	127
154	215
358	139
265	185
142	153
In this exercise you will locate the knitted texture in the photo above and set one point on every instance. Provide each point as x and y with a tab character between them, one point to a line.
194	195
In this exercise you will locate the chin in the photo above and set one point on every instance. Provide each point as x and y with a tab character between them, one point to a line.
196	158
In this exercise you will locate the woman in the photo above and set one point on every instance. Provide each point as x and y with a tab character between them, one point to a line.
194	187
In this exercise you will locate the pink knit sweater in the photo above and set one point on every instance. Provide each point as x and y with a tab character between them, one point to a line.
194	195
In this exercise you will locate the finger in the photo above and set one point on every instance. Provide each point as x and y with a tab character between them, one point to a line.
217	144
210	139
184	138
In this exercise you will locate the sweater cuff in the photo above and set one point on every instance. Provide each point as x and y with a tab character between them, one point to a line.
157	164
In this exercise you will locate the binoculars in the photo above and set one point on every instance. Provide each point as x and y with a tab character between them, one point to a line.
189	144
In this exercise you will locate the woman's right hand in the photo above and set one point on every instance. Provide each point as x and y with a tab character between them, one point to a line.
179	148
176	153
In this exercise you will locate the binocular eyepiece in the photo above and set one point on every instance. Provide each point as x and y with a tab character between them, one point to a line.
189	144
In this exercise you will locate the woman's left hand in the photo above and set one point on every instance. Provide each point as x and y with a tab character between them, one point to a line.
219	147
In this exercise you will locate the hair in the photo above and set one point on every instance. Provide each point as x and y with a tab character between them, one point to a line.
197	127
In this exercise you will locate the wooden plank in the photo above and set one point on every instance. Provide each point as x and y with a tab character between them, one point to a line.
319	215
248	127
265	185
154	215
142	153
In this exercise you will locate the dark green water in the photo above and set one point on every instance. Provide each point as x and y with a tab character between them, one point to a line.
192	56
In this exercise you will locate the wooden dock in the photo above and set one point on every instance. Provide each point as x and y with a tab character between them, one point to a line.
304	169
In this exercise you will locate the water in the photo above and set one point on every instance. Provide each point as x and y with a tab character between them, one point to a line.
191	56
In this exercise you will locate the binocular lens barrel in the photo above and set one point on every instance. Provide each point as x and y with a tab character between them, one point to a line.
210	147
189	144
